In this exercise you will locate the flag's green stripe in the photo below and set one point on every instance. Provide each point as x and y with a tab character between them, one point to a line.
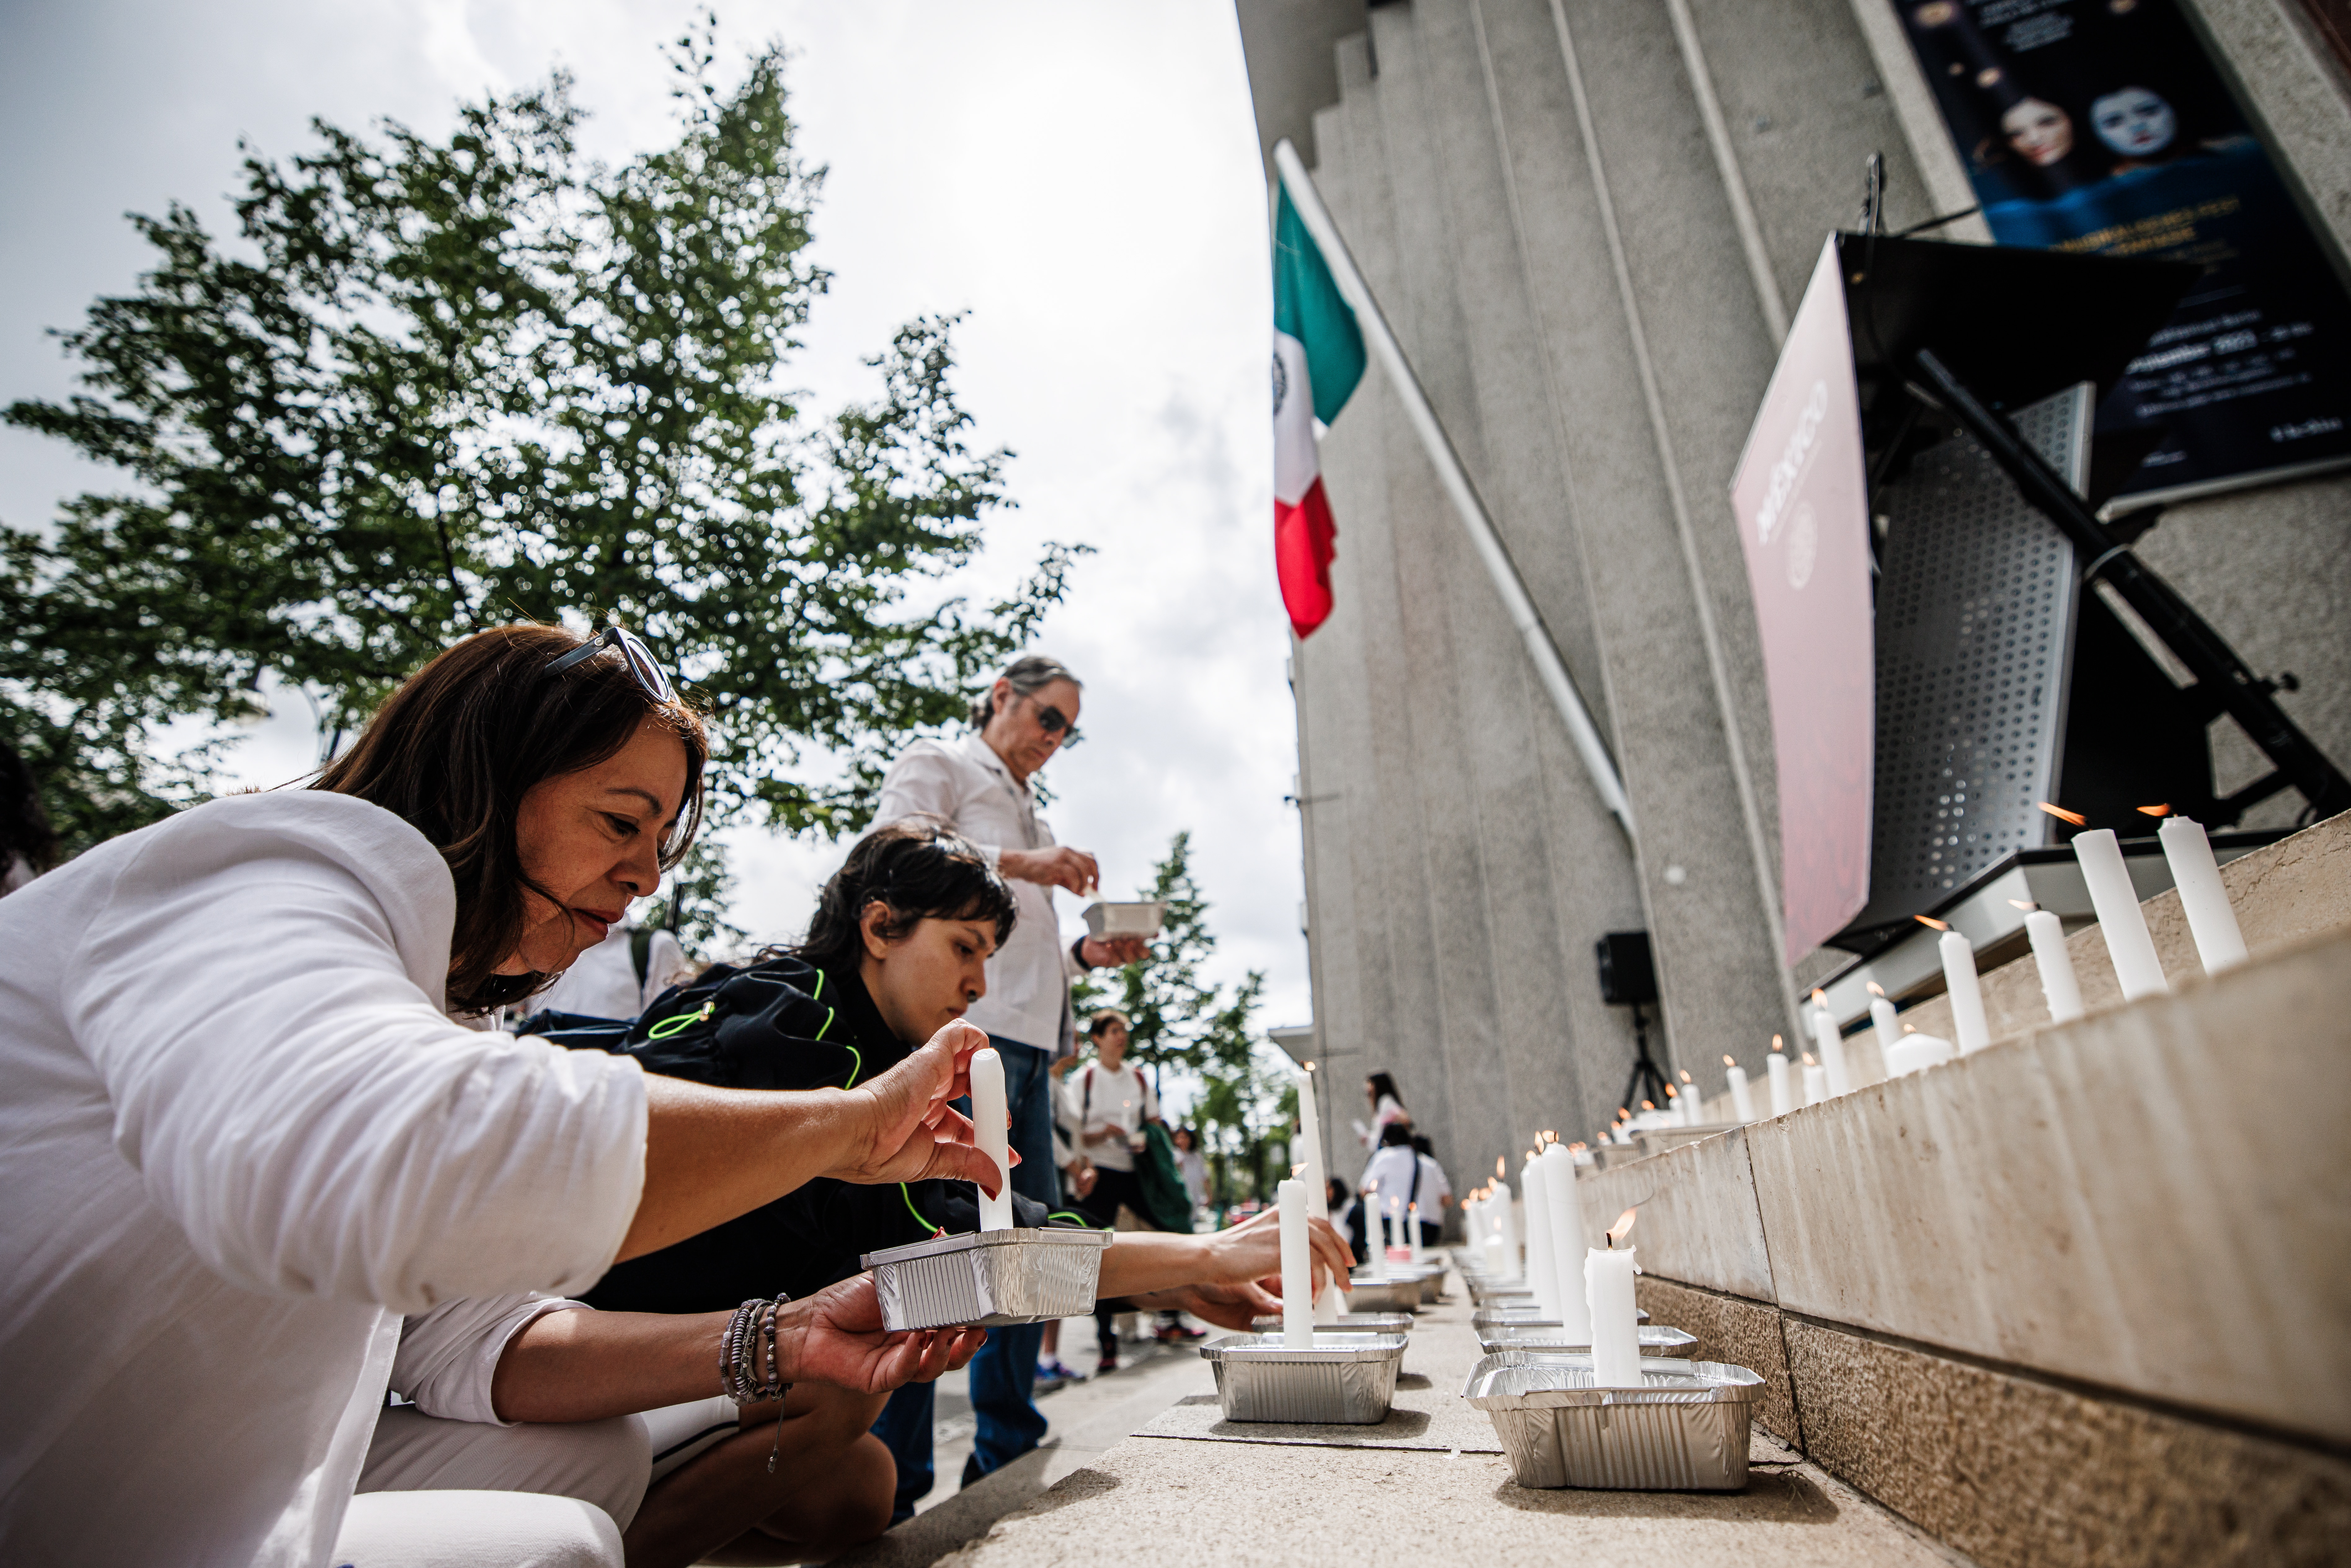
1307	305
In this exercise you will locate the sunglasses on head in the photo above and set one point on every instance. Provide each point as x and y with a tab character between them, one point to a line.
634	652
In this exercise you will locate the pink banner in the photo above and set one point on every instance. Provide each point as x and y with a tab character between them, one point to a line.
1802	499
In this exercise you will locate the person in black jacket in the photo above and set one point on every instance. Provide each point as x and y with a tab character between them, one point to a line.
896	951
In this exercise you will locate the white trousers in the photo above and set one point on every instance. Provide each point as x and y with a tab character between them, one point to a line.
464	1494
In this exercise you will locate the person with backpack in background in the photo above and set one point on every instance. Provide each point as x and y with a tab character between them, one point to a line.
619	977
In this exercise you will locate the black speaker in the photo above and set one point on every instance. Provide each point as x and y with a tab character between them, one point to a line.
1627	977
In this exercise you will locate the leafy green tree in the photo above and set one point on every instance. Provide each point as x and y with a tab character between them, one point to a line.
1193	1025
434	384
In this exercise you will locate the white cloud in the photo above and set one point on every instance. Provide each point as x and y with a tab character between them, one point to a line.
1083	179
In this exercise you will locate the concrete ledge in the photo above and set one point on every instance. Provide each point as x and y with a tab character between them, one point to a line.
1742	1333
2156	1199
1700	1221
2014	1471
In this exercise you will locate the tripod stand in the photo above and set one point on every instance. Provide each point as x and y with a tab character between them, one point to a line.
1645	1070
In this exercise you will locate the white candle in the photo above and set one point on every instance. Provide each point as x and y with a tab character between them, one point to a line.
1742	1099
1915	1053
1882	1018
2202	896
1376	1234
2058	987
1776	1081
1327	1306
1829	1040
988	1121
1296	1269
1816	1083
1412	1233
1615	1323
1966	996
2119	919
1506	1219
1557	1168
1542	1272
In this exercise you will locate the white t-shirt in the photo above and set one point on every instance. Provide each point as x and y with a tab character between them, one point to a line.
603	982
1123	1100
240	1138
1393	1167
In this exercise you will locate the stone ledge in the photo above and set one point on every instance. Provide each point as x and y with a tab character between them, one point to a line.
1699	1221
2014	1471
1742	1333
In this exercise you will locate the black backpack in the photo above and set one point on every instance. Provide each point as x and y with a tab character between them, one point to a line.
768	1025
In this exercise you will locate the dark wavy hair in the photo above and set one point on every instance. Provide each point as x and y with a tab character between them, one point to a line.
25	828
456	747
918	868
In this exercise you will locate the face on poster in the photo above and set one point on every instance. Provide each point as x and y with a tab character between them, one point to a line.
1801	497
2102	125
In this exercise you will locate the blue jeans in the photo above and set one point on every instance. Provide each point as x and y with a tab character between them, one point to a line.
1004	1372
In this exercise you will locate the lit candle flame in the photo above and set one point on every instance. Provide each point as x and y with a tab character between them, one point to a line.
2024	903
1623	1228
1726	1062
1296	1171
2154	810
1671	1092
1875	990
1931	922
1909	1029
1309	1067
2063	815
1685	1077
1647	1105
1499	1170
1808	1060
1820	998
1775	1043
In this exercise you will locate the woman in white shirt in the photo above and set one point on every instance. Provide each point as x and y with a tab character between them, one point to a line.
242	1136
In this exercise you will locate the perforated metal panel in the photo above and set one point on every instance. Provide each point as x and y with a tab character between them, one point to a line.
1975	618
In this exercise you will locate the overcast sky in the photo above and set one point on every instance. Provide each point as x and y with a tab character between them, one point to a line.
1081	177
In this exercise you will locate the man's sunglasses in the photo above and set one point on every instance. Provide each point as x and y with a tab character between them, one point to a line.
1053	721
634	652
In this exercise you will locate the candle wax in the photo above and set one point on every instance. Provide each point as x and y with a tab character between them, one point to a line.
1742	1099
2203	897
1816	1083
1916	1053
1296	1269
1557	1167
2060	988
1542	1276
1782	1100
1615	1320
1327	1306
1830	1040
2120	920
989	1132
1958	956
1883	1019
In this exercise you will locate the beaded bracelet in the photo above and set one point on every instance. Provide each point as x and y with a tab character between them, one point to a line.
750	1332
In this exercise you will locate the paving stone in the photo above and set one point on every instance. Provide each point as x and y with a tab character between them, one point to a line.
2017	1472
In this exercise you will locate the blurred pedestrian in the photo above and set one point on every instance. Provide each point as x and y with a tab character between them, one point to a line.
1433	1183
1193	1166
1387	1107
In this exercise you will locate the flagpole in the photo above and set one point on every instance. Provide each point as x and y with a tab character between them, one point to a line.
1589	746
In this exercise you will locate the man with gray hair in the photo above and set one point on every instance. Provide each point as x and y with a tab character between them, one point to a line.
980	783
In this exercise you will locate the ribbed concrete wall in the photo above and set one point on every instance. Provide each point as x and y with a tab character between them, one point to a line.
1588	221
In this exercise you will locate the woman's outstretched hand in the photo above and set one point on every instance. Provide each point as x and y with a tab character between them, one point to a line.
836	1336
910	1133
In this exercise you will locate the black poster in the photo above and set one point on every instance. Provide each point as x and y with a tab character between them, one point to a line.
2102	125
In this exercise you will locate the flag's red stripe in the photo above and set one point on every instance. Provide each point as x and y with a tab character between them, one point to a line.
1303	537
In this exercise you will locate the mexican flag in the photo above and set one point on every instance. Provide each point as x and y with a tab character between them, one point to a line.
1318	357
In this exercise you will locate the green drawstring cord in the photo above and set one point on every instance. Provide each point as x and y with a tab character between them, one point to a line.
1081	1218
917	1213
683	1021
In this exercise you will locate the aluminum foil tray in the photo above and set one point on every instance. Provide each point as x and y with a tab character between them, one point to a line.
1685	1429
1526	1312
1484	1291
1549	1340
1348	1322
989	1278
1347	1379
1397	1294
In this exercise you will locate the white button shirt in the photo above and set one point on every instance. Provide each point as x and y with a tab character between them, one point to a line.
963	781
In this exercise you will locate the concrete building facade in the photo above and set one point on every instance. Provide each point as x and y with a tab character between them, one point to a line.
1589	221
